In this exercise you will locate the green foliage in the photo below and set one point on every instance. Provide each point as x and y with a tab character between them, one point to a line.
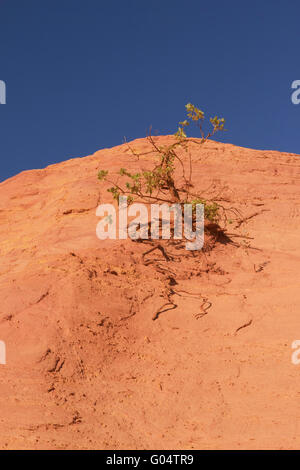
158	184
211	209
102	175
197	116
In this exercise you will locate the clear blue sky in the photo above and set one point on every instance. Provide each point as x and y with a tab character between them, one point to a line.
82	74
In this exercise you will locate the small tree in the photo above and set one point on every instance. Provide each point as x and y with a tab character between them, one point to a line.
163	183
158	184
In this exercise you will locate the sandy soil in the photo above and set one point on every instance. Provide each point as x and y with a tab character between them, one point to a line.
88	367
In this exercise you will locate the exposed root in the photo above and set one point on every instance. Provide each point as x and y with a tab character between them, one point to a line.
243	326
157	246
159	311
245	219
206	305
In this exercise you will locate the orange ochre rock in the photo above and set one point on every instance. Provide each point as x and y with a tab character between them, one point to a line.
86	364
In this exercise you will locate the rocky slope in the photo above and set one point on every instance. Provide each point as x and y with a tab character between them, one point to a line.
93	361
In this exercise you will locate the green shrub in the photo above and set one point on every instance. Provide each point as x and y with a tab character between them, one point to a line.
158	184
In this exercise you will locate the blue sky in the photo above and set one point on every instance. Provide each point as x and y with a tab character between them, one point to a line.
82	74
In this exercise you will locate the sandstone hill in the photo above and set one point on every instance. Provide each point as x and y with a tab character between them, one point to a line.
94	362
